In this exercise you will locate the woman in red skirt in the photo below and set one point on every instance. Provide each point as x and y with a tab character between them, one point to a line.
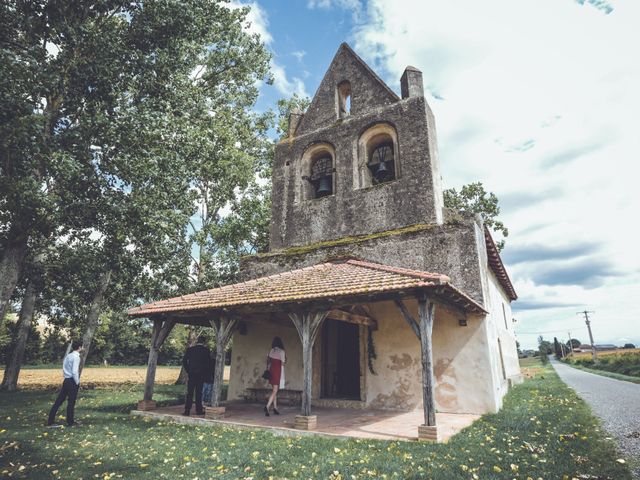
275	364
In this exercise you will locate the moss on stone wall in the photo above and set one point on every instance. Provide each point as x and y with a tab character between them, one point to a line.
351	240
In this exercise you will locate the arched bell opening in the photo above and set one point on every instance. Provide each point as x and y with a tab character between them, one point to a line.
318	171
377	156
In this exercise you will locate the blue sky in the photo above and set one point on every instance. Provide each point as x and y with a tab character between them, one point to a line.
538	99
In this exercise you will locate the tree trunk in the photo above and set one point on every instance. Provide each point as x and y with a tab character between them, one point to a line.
94	315
224	327
11	373
161	331
191	341
11	266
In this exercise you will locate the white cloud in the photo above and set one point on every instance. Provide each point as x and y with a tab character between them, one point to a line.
354	6
284	85
258	22
299	54
536	99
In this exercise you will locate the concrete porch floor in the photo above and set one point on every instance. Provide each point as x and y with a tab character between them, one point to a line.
340	422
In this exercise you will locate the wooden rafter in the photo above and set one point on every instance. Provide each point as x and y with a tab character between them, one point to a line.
356	319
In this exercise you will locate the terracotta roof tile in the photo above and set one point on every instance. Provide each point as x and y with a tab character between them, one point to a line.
497	267
326	280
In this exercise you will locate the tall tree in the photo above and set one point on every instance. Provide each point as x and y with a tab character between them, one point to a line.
286	106
107	116
473	198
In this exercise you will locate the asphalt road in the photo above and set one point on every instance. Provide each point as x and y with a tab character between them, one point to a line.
616	402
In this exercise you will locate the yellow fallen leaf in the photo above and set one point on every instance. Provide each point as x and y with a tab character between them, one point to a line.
620	460
144	465
497	469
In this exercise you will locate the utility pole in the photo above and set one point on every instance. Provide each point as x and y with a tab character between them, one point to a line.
588	322
570	344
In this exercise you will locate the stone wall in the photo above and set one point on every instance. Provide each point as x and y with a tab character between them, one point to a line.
354	208
449	249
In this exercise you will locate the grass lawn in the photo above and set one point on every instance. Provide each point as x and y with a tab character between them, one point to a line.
604	373
543	431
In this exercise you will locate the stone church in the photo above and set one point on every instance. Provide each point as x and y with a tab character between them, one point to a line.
383	299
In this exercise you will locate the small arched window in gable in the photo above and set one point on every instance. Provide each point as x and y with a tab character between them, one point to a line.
344	99
321	177
380	159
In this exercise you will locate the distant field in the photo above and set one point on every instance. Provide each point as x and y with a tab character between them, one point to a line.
606	353
99	376
625	362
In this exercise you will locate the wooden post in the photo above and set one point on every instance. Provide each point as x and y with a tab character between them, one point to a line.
223	327
426	312
161	331
308	326
423	330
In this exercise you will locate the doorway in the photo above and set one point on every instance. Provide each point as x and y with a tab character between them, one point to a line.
340	360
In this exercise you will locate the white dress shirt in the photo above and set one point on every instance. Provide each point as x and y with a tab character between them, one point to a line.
71	366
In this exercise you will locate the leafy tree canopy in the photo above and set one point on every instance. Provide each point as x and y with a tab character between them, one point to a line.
473	198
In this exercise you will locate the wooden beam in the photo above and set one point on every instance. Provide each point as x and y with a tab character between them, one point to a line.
426	310
224	327
407	316
308	325
161	330
423	329
354	318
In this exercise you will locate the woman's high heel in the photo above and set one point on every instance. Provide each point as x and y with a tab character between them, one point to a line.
266	412
275	410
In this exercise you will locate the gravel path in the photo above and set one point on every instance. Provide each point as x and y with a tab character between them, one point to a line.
616	402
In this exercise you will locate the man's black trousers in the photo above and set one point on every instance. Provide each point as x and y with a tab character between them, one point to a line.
195	383
70	393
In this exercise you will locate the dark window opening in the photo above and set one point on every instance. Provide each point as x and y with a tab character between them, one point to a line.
344	99
321	177
381	163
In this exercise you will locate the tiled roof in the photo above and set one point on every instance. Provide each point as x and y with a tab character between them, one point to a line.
495	262
332	280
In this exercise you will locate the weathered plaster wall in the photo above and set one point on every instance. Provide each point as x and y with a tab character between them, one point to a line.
249	356
499	337
462	372
461	367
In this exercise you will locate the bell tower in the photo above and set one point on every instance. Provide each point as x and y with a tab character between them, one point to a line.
359	161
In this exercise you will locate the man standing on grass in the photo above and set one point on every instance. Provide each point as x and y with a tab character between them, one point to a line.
70	385
197	362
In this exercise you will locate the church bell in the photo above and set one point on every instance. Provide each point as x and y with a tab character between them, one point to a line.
324	186
382	172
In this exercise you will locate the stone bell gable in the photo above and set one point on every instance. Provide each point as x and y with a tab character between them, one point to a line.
347	74
360	161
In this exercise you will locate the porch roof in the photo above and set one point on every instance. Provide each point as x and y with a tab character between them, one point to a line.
325	281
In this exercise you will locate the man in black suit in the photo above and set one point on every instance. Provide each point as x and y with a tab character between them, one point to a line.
197	362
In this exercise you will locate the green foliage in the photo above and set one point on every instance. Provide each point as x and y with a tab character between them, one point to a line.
32	348
624	363
544	430
473	198
544	347
116	120
285	107
575	343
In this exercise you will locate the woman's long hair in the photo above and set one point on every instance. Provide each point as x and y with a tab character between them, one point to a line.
277	343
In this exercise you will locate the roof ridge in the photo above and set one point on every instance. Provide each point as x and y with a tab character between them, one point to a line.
441	278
